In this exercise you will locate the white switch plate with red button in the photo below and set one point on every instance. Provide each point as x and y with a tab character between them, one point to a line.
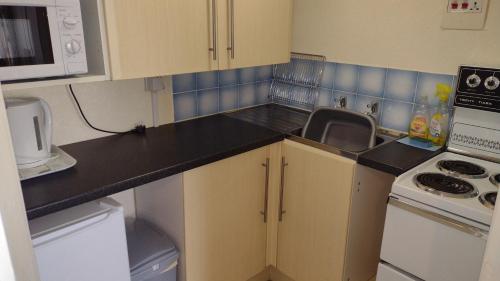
465	14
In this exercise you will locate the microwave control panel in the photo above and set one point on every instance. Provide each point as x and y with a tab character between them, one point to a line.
478	88
72	37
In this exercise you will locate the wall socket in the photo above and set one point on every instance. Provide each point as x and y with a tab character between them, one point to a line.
465	14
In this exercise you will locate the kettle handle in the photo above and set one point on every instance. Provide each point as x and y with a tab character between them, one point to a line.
48	124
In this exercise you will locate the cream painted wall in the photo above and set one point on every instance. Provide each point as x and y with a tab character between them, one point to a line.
403	34
117	105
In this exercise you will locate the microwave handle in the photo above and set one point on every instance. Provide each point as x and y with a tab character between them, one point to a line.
48	123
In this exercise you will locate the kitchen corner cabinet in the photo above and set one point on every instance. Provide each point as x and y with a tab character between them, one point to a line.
163	37
287	211
312	232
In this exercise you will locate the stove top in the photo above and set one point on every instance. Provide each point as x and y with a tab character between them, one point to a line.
462	169
456	192
495	180
444	185
488	199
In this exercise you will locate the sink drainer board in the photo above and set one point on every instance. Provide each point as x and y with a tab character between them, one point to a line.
297	83
342	129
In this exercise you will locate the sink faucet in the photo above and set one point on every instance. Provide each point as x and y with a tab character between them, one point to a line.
373	110
341	102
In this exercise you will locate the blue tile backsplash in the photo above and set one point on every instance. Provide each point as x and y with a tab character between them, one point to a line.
396	91
206	93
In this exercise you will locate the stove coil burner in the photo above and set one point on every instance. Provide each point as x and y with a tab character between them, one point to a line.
462	169
489	199
444	185
495	180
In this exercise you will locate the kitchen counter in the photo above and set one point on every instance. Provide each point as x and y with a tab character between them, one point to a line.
116	163
275	117
395	158
113	164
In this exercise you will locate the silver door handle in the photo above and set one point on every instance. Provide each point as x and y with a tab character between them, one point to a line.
282	188
231	48
214	30
458	225
266	190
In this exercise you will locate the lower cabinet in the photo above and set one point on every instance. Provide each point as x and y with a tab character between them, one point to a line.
312	232
287	211
225	229
215	215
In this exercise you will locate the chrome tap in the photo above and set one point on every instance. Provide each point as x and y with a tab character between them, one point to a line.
373	110
341	102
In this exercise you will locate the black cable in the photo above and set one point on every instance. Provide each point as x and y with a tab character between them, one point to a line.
139	129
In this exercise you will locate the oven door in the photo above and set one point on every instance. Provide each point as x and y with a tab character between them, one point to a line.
30	45
430	244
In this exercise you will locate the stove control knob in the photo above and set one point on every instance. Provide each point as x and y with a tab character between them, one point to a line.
491	83
473	81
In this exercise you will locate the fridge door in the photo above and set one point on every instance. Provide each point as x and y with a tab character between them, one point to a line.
426	243
388	273
84	243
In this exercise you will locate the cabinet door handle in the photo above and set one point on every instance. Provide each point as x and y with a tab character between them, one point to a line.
282	188
266	190
231	18
214	30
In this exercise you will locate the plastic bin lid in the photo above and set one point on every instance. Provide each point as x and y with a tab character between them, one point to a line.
147	244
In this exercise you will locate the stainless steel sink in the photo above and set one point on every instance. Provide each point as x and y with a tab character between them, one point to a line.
342	129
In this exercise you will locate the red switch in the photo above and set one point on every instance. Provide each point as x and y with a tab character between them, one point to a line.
454	5
465	5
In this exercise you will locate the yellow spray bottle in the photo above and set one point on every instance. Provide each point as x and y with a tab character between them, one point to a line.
439	123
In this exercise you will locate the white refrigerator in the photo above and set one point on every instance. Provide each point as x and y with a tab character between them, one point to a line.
83	243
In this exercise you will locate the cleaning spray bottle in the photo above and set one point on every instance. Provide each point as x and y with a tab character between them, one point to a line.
439	124
419	125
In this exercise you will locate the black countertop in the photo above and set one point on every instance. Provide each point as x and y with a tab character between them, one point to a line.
395	158
113	164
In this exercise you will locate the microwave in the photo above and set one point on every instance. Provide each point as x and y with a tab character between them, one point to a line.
41	38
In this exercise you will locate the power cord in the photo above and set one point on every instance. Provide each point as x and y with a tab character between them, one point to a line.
139	129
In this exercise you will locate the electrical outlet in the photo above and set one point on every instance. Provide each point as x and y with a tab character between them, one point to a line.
154	84
465	14
465	6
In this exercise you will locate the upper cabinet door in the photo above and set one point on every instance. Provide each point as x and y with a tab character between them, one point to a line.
149	38
254	32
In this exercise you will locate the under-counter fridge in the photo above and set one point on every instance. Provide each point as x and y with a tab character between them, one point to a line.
83	243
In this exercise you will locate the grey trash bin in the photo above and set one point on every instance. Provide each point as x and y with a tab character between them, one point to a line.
152	256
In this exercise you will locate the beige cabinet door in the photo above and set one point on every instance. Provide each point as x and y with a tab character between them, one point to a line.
312	235
225	232
254	32
149	38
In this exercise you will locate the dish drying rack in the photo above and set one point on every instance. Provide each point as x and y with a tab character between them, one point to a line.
297	83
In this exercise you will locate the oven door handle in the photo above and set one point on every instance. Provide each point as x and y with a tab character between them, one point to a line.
458	225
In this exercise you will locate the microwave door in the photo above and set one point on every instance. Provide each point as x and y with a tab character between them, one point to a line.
30	46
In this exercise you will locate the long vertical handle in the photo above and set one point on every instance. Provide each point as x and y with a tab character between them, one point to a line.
266	190
282	188
214	30
231	48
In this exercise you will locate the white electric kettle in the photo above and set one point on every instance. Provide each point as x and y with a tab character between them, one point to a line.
30	121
